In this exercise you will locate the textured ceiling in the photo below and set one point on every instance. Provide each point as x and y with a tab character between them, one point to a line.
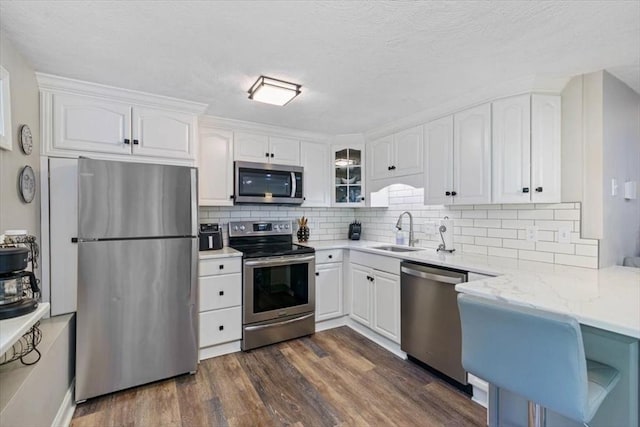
361	64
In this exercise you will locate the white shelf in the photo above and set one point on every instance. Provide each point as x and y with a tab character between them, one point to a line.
12	329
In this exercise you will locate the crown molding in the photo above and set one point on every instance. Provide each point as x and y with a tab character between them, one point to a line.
52	83
246	126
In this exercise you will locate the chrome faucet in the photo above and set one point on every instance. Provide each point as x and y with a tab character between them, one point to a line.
399	226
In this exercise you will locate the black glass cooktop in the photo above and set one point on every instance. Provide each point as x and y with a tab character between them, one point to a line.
269	250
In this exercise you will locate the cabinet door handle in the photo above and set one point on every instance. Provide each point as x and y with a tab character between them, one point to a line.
266	154
136	142
453	193
330	256
232	197
525	189
388	168
127	141
393	168
221	293
221	266
538	189
447	193
272	155
317	273
221	327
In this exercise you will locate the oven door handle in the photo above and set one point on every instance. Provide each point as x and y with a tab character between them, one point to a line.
274	262
293	184
284	322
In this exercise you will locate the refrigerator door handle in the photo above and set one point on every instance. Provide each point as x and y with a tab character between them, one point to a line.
194	203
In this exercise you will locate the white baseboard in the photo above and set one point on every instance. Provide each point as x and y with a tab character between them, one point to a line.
480	390
386	343
331	323
219	350
67	408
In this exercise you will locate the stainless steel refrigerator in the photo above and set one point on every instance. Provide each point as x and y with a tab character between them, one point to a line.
137	275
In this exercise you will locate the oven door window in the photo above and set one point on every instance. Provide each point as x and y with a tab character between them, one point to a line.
258	183
276	288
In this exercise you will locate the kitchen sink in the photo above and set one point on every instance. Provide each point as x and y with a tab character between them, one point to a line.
396	248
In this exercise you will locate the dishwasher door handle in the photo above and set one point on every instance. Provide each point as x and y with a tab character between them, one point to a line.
431	276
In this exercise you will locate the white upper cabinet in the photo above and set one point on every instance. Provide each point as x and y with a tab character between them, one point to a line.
408	147
284	151
315	160
252	147
381	157
163	133
526	149
472	156
215	167
545	148
512	150
397	155
458	158
81	118
348	170
84	123
438	161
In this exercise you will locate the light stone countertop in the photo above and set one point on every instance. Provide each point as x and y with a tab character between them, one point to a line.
608	298
225	252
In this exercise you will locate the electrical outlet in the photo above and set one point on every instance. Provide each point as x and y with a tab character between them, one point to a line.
430	227
614	187
532	233
564	235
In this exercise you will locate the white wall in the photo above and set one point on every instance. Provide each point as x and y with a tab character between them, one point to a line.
14	213
621	161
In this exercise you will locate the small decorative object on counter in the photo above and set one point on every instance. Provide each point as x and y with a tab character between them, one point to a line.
355	230
303	230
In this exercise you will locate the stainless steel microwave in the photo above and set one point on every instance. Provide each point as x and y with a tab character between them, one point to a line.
268	183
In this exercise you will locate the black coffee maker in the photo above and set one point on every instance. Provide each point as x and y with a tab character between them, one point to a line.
18	287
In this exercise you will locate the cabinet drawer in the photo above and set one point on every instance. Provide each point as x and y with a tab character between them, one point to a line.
220	291
328	255
212	267
220	326
378	262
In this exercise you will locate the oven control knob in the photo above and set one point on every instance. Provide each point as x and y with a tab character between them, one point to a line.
286	226
242	227
235	228
280	226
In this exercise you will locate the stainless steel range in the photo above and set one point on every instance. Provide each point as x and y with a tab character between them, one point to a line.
278	283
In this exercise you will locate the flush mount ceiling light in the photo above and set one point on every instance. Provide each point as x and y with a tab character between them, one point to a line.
273	91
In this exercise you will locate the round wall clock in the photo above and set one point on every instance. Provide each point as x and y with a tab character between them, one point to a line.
27	184
26	139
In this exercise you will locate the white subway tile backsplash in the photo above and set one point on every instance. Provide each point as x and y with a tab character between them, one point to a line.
535	256
567	214
577	260
504	252
518	244
535	214
497	230
563	248
503	233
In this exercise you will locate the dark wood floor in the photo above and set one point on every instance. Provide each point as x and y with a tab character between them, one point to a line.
335	377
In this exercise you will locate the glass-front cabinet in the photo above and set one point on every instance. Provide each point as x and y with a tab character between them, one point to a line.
348	176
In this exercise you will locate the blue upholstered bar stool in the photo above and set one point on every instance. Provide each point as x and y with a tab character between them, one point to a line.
536	354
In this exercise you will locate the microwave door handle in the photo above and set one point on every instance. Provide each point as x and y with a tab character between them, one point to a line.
293	184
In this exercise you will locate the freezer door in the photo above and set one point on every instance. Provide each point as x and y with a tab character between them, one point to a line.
124	200
137	313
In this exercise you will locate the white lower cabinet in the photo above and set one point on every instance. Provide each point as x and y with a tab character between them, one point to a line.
220	286
375	300
361	294
328	291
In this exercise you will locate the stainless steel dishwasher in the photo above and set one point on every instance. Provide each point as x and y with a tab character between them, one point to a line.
430	322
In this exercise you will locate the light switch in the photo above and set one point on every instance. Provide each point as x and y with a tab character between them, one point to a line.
430	228
532	233
564	235
630	190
